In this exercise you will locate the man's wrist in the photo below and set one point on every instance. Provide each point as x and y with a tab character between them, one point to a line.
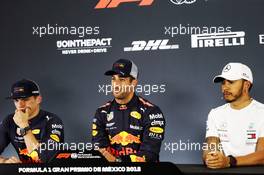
118	159
27	132
24	131
228	162
24	125
3	160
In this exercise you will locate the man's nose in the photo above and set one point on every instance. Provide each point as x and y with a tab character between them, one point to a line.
116	82
21	103
225	86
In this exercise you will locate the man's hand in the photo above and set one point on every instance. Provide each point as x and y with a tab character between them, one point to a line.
12	160
216	160
21	118
107	155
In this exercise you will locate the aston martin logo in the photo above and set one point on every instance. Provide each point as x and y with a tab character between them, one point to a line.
180	2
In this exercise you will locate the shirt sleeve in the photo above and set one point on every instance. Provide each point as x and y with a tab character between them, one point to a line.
54	136
99	135
261	134
211	130
153	135
4	136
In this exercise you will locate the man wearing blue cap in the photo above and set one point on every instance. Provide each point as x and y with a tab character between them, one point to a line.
235	130
128	128
29	126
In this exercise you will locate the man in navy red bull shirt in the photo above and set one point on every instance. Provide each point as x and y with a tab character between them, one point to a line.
29	126
128	128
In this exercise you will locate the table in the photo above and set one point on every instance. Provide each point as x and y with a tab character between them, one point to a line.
201	169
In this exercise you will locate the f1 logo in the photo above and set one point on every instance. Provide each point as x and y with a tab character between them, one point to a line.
115	3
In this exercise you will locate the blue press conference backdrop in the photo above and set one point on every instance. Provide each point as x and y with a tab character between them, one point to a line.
66	46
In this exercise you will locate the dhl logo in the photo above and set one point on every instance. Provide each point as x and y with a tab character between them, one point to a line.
124	139
115	3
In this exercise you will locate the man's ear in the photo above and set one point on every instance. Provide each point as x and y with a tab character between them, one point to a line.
39	99
134	82
247	86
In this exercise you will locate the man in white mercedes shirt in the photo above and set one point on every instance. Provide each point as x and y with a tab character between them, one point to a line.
236	129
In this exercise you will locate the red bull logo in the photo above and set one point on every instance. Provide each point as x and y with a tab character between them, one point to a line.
23	152
123	107
18	89
119	65
124	151
33	155
124	139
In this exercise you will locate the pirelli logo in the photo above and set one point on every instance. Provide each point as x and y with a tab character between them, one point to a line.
218	39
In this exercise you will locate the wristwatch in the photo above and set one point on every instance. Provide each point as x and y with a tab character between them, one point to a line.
233	161
118	159
23	131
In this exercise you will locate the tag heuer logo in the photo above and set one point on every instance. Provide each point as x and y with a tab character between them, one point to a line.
180	2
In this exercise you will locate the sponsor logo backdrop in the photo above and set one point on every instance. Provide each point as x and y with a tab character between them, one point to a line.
178	45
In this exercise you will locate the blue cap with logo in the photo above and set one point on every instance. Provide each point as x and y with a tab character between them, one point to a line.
124	67
24	88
